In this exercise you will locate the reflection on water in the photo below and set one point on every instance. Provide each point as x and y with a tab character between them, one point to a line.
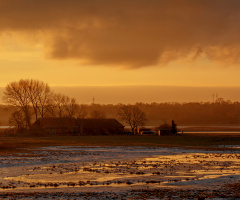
186	170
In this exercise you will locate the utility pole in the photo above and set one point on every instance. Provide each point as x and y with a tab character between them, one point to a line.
93	100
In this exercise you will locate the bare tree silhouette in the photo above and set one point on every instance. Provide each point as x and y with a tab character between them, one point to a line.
27	95
132	115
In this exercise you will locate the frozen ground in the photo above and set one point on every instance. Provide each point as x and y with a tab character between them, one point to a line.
120	173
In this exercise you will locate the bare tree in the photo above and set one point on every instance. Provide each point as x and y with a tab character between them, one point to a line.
98	114
17	120
81	115
63	106
71	107
165	126
39	94
28	95
132	115
56	105
81	112
16	94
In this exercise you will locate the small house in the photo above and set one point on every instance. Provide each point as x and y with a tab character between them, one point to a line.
80	126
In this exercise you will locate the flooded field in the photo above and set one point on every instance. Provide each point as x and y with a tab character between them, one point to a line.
121	172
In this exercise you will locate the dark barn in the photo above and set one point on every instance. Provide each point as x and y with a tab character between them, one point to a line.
80	126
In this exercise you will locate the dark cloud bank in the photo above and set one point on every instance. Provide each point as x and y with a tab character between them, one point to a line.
133	33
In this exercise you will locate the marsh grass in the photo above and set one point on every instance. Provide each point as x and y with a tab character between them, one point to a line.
211	141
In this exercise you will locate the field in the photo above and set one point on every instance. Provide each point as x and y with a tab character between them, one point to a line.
191	166
206	140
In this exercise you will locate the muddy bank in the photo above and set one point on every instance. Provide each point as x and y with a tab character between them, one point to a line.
120	171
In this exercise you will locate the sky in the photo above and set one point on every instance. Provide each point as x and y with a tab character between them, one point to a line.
119	43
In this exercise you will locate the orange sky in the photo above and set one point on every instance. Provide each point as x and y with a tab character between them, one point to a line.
112	43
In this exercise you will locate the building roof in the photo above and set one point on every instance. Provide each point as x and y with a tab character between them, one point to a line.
73	122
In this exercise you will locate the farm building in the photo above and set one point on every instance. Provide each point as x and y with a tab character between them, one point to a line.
165	132
80	126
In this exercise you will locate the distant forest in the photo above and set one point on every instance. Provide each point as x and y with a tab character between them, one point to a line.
195	113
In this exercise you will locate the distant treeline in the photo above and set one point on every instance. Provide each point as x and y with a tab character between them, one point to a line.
223	112
195	113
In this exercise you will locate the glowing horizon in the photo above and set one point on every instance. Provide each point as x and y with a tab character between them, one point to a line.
109	43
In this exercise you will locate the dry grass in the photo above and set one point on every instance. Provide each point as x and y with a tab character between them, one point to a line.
17	144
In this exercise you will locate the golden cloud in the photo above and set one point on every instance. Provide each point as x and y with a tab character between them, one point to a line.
133	33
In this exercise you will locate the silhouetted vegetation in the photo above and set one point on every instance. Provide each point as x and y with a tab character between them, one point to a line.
132	115
97	114
165	126
194	113
33	99
174	128
28	100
